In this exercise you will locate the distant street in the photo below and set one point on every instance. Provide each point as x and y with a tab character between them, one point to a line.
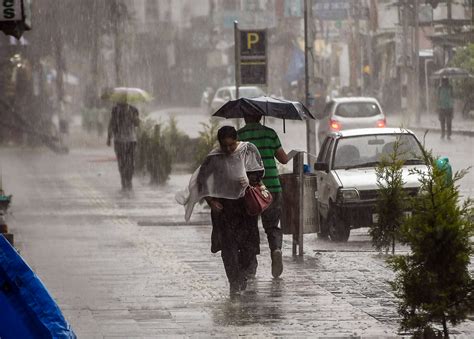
460	150
128	267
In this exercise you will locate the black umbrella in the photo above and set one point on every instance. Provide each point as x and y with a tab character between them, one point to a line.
266	106
452	73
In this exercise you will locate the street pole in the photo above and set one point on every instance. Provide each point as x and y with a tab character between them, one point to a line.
310	124
449	23
416	81
427	88
236	55
117	18
359	49
404	75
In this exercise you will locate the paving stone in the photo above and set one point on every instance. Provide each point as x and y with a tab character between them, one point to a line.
113	277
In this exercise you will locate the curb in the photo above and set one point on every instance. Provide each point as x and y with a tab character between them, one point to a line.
438	130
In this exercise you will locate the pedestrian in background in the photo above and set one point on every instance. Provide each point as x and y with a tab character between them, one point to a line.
269	145
445	107
123	123
222	180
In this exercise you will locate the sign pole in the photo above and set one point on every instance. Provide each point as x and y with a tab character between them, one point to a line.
310	124
301	198
237	58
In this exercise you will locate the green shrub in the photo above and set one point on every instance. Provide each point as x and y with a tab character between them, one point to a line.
391	200
160	158
433	282
152	156
143	146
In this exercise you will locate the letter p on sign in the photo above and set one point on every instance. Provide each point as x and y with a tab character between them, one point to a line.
252	38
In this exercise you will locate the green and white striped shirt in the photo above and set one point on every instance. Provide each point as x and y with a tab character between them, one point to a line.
268	143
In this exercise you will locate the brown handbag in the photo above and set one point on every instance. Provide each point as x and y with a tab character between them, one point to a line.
257	199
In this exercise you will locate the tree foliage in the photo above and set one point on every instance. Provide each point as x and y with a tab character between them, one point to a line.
391	200
464	58
433	281
152	156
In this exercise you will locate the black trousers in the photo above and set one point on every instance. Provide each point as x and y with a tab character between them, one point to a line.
125	152
445	119
235	234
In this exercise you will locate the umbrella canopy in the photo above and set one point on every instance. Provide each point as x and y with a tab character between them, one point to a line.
452	73
126	94
266	106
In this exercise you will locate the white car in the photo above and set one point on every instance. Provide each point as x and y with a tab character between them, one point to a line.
227	93
346	178
350	112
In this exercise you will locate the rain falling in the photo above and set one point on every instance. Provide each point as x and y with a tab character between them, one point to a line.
261	168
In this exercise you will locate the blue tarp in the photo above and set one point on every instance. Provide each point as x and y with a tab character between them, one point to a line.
27	310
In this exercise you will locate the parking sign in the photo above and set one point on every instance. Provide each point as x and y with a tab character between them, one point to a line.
253	57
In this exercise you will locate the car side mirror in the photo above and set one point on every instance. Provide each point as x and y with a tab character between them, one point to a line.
321	166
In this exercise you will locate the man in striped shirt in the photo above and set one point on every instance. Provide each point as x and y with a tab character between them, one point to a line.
269	146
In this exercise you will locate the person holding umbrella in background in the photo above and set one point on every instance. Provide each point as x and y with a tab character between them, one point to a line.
445	107
122	128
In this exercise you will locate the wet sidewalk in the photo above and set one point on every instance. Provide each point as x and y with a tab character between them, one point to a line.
127	266
430	121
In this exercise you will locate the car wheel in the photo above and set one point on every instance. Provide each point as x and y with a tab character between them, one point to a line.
338	231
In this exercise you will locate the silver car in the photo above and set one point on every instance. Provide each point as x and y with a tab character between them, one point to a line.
348	113
227	93
347	187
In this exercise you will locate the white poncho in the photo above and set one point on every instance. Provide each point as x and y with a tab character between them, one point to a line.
220	176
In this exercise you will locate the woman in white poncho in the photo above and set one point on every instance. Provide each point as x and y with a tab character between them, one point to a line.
221	180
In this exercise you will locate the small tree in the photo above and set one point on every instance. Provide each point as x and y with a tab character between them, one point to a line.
464	58
433	281
391	200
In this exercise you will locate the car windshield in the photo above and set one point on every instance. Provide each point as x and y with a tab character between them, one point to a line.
369	150
249	92
357	109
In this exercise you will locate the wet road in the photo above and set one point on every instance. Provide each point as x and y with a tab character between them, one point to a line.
127	267
459	150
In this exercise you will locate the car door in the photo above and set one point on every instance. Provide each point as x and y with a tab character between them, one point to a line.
323	177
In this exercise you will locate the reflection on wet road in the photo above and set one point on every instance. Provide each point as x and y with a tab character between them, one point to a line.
128	266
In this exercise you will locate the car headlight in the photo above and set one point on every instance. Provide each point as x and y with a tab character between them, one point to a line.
348	194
